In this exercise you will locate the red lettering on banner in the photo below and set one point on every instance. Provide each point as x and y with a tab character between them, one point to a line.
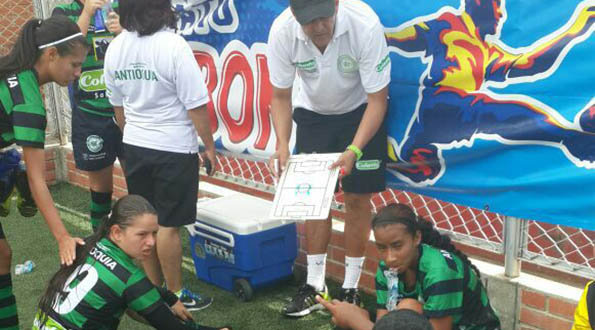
236	64
205	60
264	94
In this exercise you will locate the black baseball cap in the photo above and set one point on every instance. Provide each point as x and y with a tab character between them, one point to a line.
305	11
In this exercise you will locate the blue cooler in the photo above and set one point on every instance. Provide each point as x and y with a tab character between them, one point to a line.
237	247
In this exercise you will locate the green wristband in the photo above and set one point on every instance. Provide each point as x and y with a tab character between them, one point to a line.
358	153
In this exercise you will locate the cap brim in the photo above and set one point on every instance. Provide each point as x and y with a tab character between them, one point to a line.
320	10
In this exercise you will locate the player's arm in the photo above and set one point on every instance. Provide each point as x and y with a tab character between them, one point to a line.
409	38
442	323
120	117
282	123
89	10
543	56
35	163
380	313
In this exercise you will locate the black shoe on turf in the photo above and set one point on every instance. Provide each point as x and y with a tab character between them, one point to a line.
350	296
304	302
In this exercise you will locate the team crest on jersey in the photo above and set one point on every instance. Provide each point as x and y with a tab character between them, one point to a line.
100	45
94	143
347	64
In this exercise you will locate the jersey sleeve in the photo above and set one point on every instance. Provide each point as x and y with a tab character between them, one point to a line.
374	62
381	288
442	290
281	70
28	114
190	83
141	295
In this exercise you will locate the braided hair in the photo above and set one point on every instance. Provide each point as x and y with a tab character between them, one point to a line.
402	214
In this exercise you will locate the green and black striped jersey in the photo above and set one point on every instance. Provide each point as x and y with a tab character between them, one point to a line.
446	286
99	291
22	115
88	91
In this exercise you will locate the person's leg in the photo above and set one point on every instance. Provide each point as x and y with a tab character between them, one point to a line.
100	183
358	214
318	236
169	253
8	313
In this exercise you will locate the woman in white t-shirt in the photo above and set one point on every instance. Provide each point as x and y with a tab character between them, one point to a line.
159	98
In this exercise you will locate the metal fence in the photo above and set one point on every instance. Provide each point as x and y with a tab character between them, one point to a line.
563	248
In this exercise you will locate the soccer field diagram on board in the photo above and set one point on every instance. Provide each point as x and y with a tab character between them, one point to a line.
306	188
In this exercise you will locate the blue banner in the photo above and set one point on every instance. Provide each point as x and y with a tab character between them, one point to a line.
492	103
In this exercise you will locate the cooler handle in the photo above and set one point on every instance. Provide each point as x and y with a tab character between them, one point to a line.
219	232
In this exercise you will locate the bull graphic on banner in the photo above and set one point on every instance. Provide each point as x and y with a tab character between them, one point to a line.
455	105
491	103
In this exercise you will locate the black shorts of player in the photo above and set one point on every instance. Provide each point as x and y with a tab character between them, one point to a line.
168	180
318	133
96	140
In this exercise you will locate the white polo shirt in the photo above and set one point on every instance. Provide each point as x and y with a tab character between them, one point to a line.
157	80
355	63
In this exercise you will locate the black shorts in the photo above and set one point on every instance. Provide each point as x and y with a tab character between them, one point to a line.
318	133
168	180
96	141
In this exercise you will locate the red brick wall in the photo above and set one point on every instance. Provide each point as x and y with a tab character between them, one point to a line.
539	311
13	14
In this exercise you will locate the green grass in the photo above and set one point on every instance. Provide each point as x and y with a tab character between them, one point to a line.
31	240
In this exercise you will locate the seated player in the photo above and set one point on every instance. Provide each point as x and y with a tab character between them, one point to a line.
104	280
418	262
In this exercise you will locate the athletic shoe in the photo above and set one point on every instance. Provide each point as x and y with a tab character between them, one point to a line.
193	301
351	296
304	302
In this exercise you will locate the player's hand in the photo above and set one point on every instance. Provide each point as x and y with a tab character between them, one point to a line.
180	311
67	249
91	6
345	315
278	161
113	23
345	163
211	165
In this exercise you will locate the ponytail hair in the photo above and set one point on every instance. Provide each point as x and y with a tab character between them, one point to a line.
124	213
37	33
147	16
403	214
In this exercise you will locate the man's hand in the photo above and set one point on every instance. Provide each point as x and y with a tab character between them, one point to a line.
346	315
91	6
113	23
278	161
212	158
181	312
345	162
67	249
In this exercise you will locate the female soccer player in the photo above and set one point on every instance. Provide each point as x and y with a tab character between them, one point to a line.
420	270
51	50
104	281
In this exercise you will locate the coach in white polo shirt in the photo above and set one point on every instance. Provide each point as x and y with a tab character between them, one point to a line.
339	52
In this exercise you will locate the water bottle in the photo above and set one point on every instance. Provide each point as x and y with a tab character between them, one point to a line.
392	279
101	16
25	268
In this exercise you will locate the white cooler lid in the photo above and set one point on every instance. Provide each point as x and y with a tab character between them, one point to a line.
238	213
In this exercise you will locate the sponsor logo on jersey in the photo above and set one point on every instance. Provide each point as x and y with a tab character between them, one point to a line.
383	64
92	81
308	66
